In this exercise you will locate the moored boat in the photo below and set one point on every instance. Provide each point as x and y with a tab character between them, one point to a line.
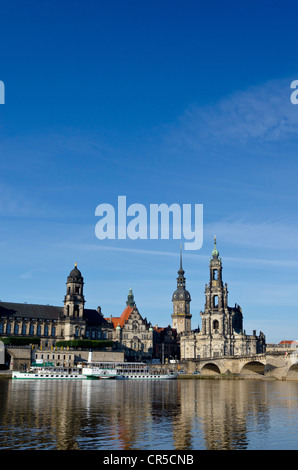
49	372
124	371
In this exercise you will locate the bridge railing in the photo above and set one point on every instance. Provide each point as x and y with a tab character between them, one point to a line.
215	358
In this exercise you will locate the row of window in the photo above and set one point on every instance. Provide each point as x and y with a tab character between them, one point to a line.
23	330
127	336
17	329
55	357
94	334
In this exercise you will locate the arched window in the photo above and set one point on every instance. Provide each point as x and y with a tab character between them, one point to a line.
215	325
23	328
39	330
215	301
31	329
8	328
46	330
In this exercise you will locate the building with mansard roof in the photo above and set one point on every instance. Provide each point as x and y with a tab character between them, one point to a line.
55	323
222	331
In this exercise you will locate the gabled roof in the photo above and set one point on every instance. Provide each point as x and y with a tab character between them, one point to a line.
122	319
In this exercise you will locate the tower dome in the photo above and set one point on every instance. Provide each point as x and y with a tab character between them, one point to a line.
181	293
75	273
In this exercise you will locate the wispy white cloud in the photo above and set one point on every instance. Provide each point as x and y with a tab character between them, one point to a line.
275	234
30	274
261	113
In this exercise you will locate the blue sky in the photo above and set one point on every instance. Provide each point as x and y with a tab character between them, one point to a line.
183	102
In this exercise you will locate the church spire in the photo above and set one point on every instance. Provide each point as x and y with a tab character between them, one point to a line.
215	253
181	270
181	278
130	299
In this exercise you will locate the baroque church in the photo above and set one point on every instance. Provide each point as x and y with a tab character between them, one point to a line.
222	331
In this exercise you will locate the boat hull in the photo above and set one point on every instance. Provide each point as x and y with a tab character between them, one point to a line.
46	376
98	373
146	377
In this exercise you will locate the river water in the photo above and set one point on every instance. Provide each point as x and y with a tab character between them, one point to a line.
138	415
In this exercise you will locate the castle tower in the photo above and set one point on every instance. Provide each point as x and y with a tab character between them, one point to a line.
181	317
74	299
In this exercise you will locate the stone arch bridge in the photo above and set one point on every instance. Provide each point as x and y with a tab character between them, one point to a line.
279	366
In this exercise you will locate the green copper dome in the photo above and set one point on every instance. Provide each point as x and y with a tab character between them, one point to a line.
215	253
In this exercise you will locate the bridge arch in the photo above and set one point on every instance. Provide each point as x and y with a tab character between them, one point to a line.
210	369
253	369
292	373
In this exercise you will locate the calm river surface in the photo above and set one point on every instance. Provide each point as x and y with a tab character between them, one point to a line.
139	415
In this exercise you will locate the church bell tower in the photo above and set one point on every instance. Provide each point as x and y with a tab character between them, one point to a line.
181	317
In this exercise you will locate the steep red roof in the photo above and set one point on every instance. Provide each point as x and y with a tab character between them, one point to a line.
125	315
122	319
287	342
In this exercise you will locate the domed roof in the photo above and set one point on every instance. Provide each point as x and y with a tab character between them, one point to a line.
181	294
75	273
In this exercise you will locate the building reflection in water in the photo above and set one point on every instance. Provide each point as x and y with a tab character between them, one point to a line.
169	415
